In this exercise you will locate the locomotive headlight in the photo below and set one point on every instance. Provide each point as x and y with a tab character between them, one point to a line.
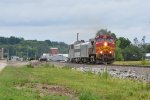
101	52
110	52
105	44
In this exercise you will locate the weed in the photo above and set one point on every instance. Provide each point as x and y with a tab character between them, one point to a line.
105	74
66	67
30	66
148	82
47	65
88	86
88	96
148	86
53	66
89	72
144	62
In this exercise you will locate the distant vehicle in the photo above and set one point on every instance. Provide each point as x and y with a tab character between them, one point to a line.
98	50
43	59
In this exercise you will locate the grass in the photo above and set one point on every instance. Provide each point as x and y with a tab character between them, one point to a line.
23	83
142	63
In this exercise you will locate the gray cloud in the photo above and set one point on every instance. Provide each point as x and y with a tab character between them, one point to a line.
60	20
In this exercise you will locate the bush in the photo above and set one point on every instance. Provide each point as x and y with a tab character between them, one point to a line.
145	62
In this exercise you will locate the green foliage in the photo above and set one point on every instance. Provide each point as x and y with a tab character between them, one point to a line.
118	51
20	84
52	65
88	96
30	66
66	67
32	49
47	65
133	53
124	42
105	74
148	48
105	31
144	62
12	40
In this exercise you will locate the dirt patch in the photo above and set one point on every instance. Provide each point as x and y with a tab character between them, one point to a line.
17	63
50	90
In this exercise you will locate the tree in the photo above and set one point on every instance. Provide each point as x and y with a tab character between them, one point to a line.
118	52
29	48
136	42
133	53
148	48
143	40
114	36
103	31
124	42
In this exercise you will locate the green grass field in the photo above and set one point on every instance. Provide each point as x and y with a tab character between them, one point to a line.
141	63
49	83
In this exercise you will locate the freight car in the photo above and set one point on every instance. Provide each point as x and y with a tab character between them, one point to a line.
98	50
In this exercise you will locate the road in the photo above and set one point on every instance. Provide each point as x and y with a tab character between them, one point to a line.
2	65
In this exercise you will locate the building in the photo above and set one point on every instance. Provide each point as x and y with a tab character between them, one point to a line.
147	56
56	57
16	58
53	51
1	53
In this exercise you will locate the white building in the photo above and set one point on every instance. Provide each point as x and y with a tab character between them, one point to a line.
147	56
16	58
56	57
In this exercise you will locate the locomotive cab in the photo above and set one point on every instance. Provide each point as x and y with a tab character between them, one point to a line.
105	48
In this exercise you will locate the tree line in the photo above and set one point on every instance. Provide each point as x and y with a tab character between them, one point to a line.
14	46
126	50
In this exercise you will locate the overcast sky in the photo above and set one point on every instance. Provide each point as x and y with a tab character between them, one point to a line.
60	20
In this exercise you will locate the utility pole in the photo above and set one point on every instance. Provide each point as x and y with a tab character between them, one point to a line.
35	56
2	50
8	55
77	36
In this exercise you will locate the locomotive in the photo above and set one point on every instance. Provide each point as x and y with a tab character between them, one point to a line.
100	49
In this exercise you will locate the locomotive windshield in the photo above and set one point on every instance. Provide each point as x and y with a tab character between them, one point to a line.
103	39
100	40
109	40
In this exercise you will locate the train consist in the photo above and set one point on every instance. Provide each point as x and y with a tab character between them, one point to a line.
98	50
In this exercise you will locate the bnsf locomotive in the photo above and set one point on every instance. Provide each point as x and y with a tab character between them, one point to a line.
98	50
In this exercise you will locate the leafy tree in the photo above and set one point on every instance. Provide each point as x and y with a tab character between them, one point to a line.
114	36
118	52
136	42
103	31
29	48
143	40
12	40
124	42
148	48
133	53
